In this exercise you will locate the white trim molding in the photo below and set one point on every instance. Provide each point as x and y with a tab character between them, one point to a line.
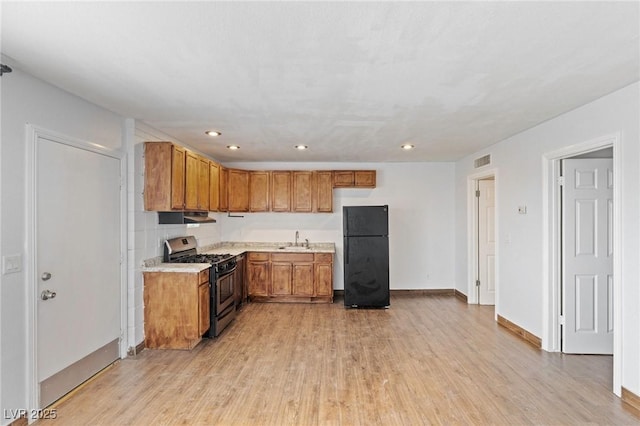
472	249
551	245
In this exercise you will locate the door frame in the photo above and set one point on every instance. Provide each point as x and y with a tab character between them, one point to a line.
472	235
552	266
32	134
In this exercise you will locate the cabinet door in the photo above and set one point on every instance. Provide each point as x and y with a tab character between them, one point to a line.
302	194
343	178
204	318
214	186
281	191
302	282
191	181
238	190
324	279
223	200
178	158
259	191
281	279
324	192
258	277
365	178
239	288
203	183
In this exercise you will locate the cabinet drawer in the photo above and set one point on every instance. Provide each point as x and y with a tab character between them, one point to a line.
292	257
203	277
258	257
324	257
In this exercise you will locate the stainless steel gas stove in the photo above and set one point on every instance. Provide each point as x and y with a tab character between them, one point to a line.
223	310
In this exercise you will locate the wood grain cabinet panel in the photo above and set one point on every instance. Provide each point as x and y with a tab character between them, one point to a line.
178	162
258	276
204	308
259	182
354	178
203	184
191	181
294	277
238	190
214	186
281	191
364	178
176	309
223	200
343	179
280	279
323	192
164	176
302	279
302	200
323	275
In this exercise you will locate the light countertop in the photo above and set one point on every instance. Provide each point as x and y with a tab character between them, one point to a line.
234	249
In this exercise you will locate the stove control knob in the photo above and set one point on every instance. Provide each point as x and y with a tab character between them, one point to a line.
46	276
48	294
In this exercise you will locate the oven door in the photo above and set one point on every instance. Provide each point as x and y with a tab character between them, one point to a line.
224	291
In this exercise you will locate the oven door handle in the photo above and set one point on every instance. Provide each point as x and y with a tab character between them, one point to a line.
228	272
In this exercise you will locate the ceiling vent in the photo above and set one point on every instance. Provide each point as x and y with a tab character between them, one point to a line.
482	161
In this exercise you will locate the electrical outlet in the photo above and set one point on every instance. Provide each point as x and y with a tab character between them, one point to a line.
11	264
522	209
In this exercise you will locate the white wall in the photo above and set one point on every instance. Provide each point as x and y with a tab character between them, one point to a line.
421	220
28	100
519	161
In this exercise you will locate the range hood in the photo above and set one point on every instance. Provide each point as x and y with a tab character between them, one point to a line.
173	218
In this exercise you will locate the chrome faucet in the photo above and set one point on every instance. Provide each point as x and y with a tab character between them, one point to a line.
306	240
297	236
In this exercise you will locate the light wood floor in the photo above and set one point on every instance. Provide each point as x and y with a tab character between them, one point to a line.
426	360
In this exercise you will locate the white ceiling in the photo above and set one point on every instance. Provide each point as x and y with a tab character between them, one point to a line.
352	80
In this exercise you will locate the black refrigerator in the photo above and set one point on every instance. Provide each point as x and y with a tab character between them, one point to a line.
366	256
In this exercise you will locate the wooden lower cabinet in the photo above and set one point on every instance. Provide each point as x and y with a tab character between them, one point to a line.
176	309
258	274
290	277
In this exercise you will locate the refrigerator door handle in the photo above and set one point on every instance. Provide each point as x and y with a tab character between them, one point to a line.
346	251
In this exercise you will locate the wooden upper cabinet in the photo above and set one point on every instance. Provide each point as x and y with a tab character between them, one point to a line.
354	179
164	176
323	192
302	199
365	178
178	159
280	191
223	200
203	183
238	190
214	186
191	182
259	182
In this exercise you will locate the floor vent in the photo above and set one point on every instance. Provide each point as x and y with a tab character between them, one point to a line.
482	161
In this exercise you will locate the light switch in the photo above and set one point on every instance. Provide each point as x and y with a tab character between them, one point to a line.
11	264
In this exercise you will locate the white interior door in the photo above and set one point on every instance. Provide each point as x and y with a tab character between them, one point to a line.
587	251
486	243
77	258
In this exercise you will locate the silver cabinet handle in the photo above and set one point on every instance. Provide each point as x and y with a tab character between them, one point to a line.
48	294
46	276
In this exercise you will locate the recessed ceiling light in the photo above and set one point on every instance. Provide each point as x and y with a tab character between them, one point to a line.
407	146
301	147
233	147
213	133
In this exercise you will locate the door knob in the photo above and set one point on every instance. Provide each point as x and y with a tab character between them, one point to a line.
46	276
48	294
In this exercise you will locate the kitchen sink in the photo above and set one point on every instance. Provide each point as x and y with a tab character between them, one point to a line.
294	248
